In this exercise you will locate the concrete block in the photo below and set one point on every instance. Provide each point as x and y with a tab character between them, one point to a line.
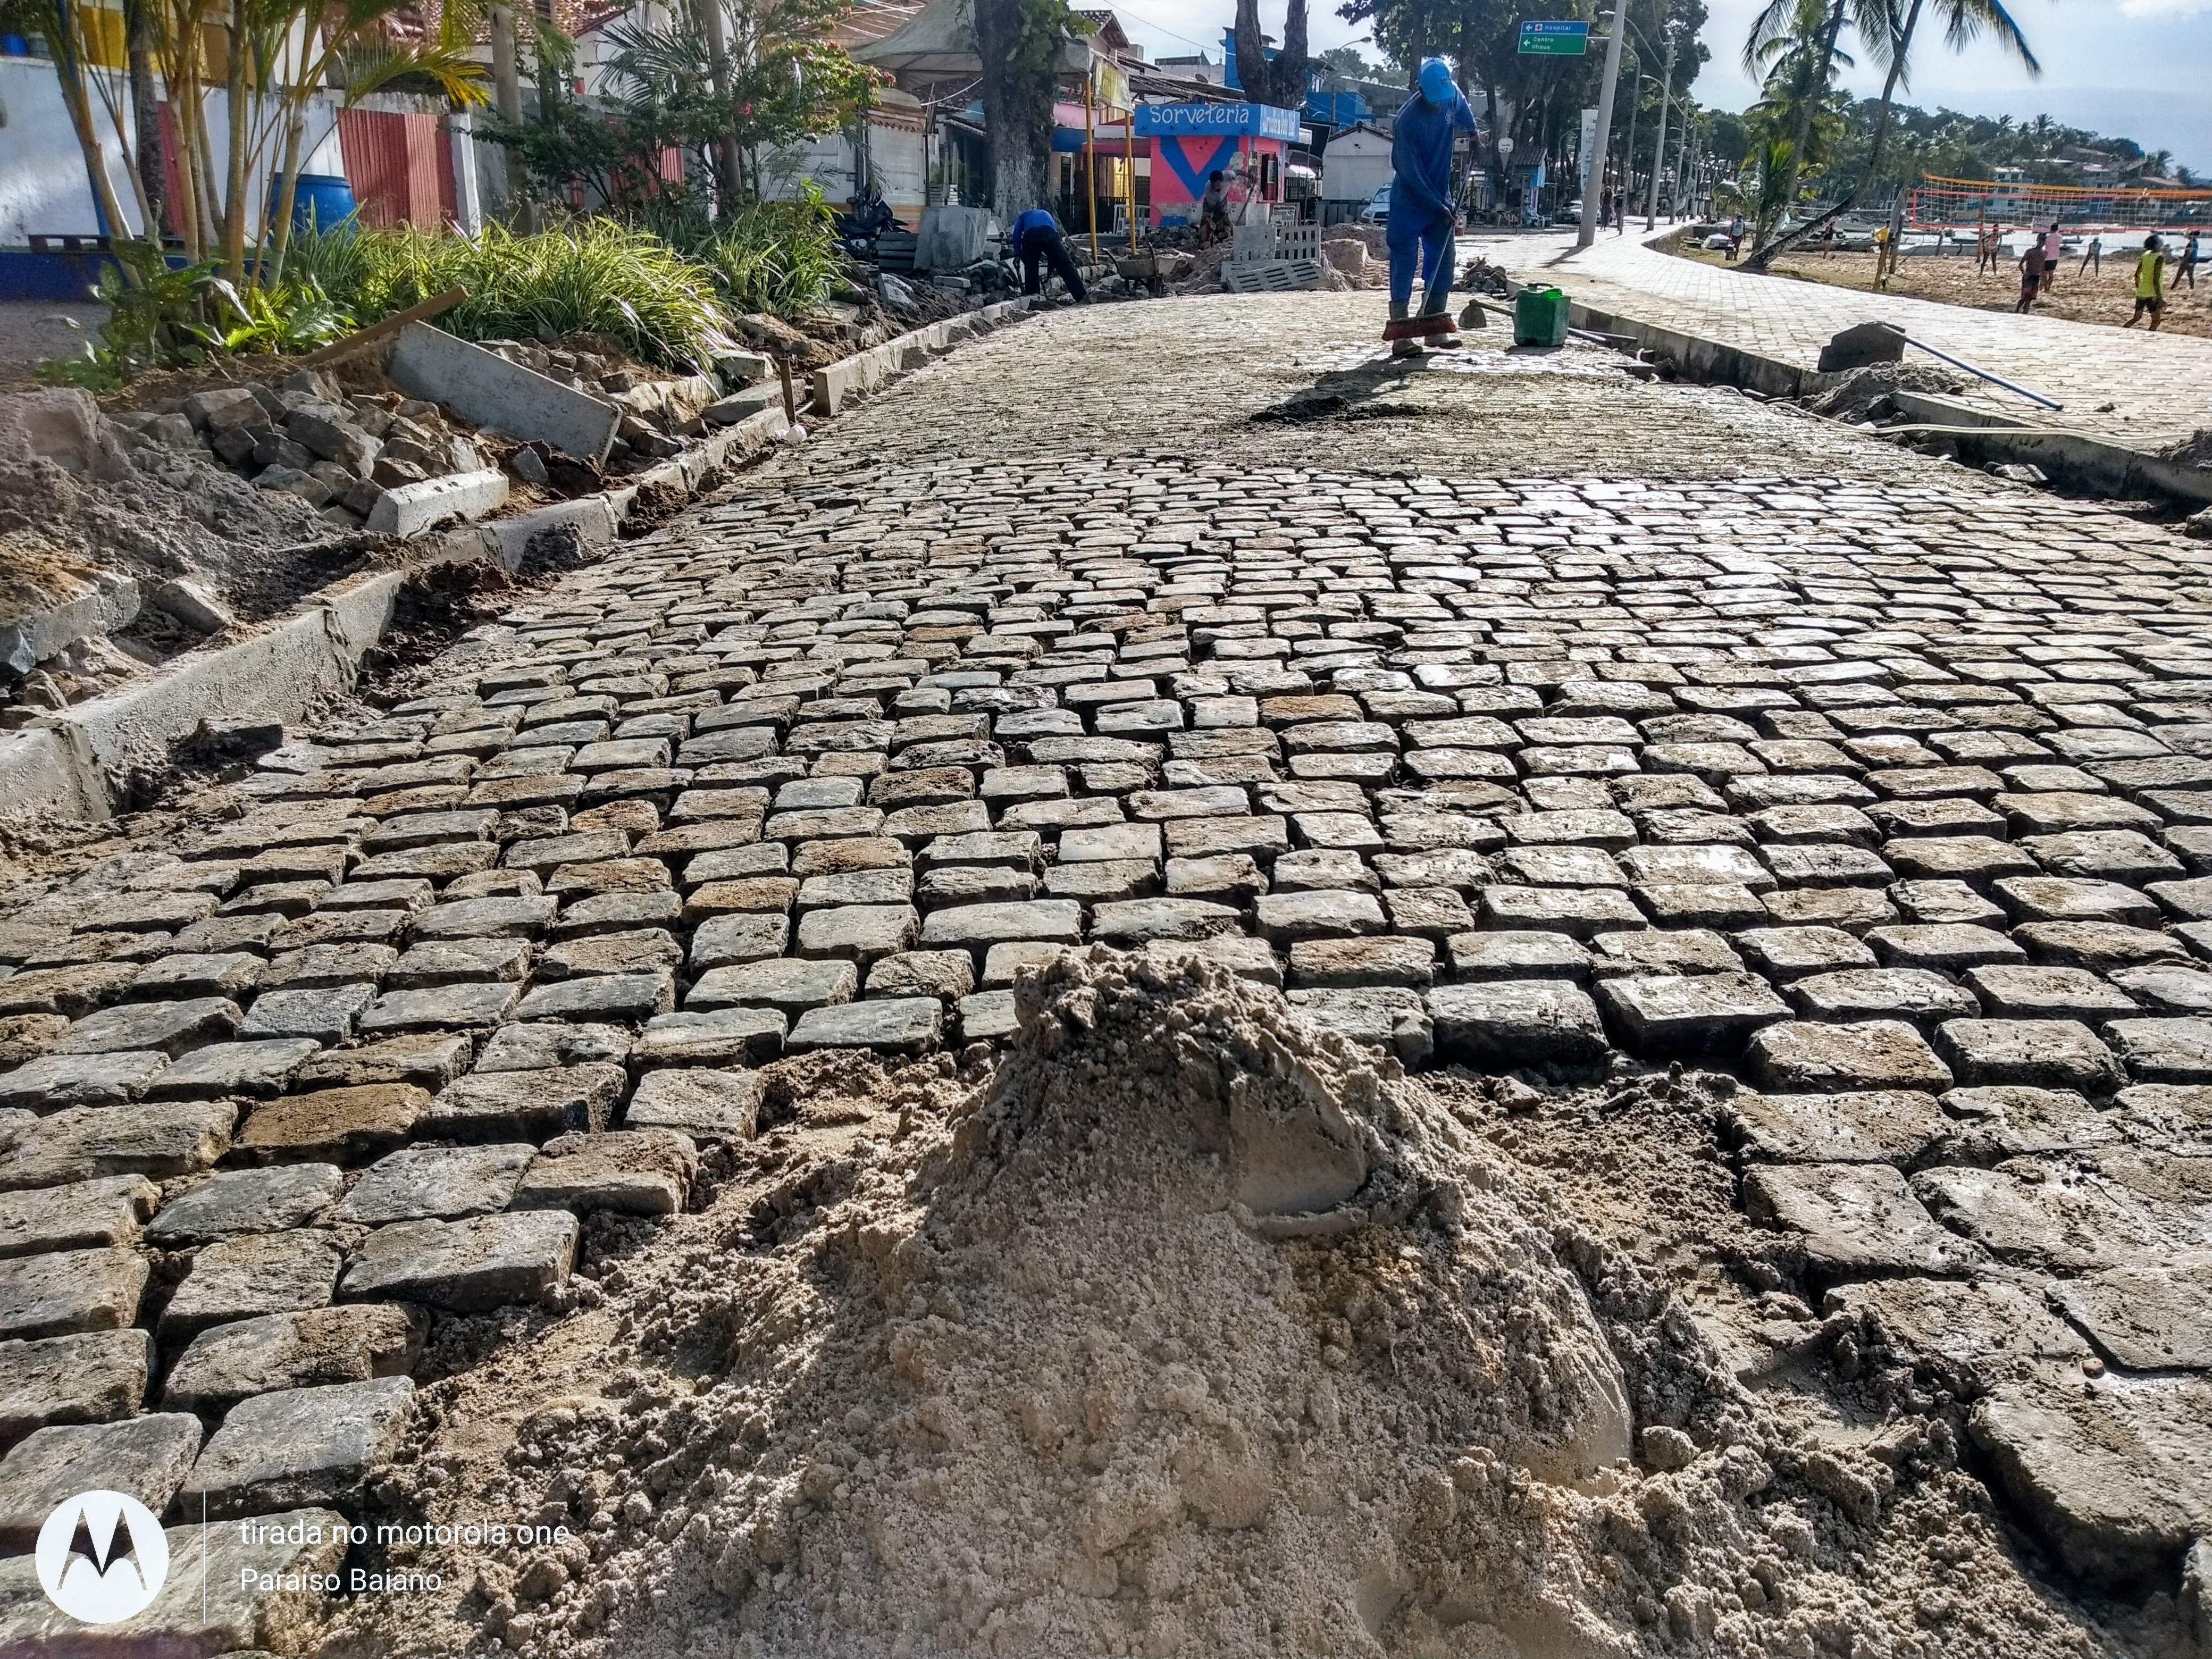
509	539
487	389
38	620
739	368
1861	345
952	238
59	424
189	601
768	394
840	382
413	509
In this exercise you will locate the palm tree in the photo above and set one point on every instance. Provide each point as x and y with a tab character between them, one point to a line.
1964	21
1810	27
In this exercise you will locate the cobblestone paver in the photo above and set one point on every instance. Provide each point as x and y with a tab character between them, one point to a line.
1885	787
2140	388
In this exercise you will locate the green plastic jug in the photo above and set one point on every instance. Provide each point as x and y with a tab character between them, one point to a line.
1539	317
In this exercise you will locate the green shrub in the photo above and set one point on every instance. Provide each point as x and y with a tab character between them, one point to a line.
166	318
777	257
592	275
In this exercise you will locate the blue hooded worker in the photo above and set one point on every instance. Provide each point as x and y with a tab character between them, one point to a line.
1421	202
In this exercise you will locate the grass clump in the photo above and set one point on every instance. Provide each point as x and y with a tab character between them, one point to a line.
588	276
776	256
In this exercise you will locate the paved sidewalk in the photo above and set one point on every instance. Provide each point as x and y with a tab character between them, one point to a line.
2131	384
1503	710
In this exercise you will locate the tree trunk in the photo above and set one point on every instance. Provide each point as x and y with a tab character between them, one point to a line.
1498	178
507	95
1682	164
1290	62
78	98
234	206
183	102
718	70
1017	87
146	110
1628	191
279	239
1281	81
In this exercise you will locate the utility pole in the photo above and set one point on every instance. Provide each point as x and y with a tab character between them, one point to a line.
1626	194
1588	234
1681	161
1659	144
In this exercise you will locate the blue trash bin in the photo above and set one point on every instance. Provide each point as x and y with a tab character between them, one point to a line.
323	200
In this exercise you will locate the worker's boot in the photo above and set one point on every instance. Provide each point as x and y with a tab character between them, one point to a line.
1439	306
1402	347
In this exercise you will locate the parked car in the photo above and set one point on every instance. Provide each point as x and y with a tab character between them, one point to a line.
1377	210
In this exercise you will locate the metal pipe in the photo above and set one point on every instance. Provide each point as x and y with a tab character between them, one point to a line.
1960	362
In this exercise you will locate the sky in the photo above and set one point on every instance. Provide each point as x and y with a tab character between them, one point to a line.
2135	69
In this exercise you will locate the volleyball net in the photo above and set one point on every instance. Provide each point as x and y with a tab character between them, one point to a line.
1936	202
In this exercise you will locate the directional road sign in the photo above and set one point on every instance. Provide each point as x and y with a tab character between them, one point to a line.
1560	39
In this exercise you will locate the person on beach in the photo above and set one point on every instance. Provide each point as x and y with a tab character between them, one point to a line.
2150	280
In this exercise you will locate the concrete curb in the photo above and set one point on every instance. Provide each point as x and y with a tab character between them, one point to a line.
2074	460
853	377
75	762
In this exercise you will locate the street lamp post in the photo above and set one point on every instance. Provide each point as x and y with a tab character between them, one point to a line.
1659	144
1588	234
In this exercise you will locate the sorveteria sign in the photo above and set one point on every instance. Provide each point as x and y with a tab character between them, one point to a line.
1245	120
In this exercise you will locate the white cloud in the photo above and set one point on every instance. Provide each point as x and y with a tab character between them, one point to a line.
2163	8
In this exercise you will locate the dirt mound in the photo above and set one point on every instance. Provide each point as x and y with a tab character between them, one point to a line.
67	487
1195	1331
2195	450
1862	394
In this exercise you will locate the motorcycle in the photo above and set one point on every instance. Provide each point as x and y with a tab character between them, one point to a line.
859	229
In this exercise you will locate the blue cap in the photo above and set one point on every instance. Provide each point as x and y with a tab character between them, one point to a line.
1437	82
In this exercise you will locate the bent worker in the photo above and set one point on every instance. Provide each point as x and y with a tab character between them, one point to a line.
1213	209
1037	240
1420	204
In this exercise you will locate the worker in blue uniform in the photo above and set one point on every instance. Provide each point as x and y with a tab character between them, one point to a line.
1421	223
1037	240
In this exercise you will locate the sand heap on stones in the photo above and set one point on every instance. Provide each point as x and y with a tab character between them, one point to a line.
1195	1333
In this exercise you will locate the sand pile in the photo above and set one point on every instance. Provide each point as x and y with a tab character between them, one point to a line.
1196	1331
1864	394
69	489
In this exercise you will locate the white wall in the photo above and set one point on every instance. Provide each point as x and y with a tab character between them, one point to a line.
899	157
42	188
1356	166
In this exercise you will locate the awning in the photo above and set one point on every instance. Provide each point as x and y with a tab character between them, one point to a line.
1110	141
941	40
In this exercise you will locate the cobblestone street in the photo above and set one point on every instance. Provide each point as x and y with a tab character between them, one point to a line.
1507	712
